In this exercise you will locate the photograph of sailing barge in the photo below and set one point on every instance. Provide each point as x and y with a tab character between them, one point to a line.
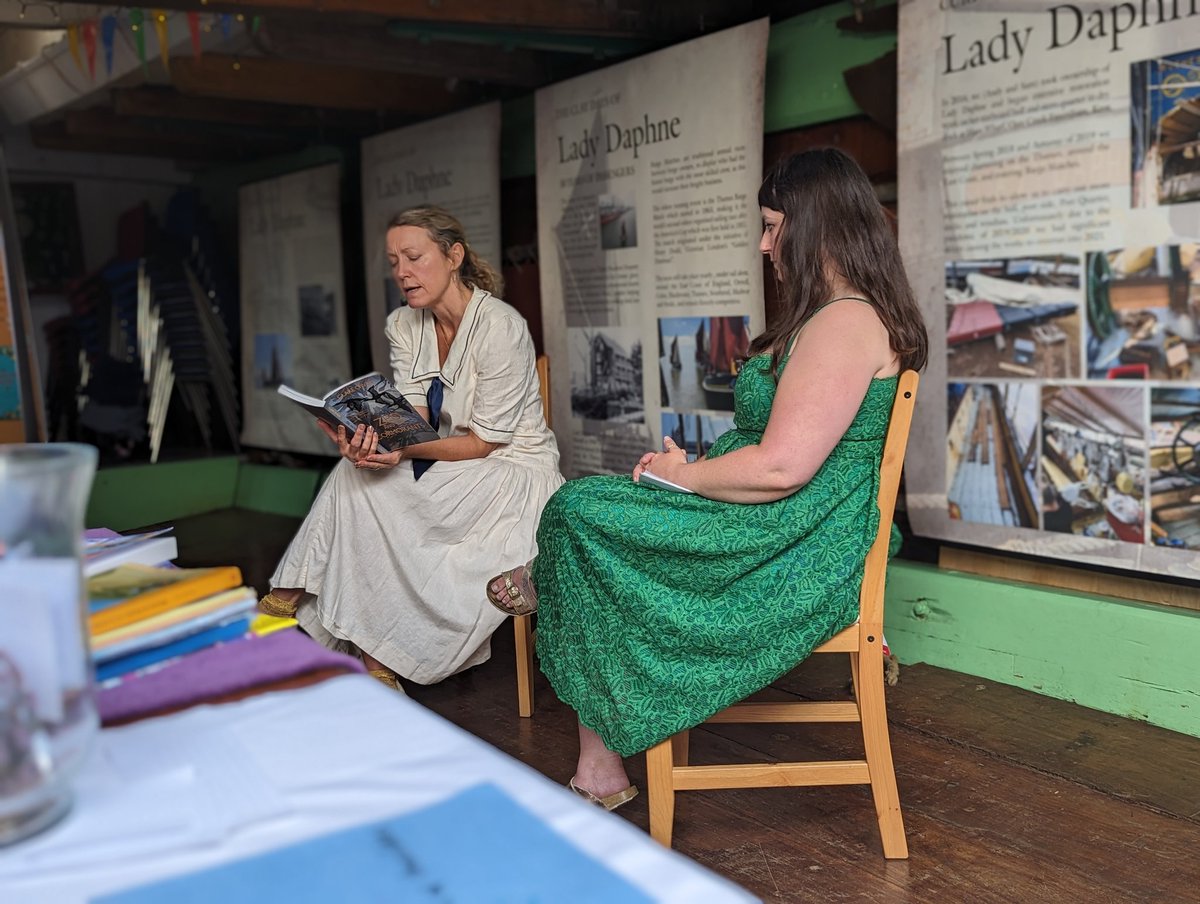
699	358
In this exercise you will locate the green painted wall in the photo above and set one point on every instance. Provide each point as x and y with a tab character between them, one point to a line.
806	56
137	495
1120	657
280	491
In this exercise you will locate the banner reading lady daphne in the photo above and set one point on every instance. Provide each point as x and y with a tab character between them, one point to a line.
1050	220
647	174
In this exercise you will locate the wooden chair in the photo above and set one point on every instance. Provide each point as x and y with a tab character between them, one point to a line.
667	762
523	624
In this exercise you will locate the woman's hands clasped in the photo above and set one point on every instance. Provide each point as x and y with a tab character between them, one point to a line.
667	464
361	448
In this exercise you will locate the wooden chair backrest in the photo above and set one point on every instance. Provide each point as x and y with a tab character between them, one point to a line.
894	446
543	372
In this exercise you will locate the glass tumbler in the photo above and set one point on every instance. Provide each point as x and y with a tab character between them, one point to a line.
47	712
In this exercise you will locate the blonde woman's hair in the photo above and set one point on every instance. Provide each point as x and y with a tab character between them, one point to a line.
444	229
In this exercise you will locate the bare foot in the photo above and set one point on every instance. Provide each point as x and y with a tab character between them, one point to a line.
513	591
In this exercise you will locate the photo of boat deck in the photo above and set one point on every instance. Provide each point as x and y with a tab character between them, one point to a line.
1164	108
1175	467
990	453
1013	318
1143	313
1094	461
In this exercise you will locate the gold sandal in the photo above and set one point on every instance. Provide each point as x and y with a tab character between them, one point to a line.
387	677
520	605
610	803
280	608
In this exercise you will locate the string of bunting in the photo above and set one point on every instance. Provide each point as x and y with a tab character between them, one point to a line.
82	35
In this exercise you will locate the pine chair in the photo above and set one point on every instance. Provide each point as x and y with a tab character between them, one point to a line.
523	624
667	762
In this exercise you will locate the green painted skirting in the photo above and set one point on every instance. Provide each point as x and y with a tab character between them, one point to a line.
133	496
279	491
1120	657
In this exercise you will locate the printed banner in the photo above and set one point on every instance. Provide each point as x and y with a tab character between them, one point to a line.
648	227
12	424
293	310
453	162
1050	214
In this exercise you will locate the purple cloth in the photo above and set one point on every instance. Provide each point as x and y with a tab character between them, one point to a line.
229	668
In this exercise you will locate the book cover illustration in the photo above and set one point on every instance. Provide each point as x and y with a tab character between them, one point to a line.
371	399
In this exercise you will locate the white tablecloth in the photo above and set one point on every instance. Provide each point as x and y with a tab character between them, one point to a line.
217	783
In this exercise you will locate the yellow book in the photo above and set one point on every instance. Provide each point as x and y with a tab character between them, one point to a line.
171	617
144	591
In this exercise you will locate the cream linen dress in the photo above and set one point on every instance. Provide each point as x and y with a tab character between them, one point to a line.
397	566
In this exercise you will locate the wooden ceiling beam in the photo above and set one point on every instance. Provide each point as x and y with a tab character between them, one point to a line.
327	42
84	131
308	85
572	16
165	103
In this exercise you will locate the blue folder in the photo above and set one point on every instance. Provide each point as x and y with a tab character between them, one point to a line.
125	664
476	847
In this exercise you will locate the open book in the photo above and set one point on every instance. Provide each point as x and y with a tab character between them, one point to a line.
373	400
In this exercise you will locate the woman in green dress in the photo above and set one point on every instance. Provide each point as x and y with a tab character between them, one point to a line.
657	610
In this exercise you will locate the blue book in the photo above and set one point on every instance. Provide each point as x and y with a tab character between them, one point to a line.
477	847
134	661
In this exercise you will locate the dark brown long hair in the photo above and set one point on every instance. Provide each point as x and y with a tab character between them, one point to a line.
444	230
833	223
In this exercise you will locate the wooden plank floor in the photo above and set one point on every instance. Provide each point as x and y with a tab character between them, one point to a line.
1007	796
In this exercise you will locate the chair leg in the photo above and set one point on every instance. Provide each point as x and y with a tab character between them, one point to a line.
679	748
660	788
872	709
523	632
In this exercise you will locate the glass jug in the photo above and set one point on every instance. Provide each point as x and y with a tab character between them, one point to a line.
47	713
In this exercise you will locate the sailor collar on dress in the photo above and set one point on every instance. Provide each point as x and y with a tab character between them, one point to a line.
425	361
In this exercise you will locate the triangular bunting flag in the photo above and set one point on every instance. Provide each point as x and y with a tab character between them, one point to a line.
88	28
73	44
193	20
108	33
136	21
164	40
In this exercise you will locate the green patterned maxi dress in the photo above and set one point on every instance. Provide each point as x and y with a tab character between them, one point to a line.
657	609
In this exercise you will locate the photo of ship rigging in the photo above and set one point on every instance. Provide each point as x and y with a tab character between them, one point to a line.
1142	313
699	359
618	222
990	453
606	374
694	433
1094	461
272	360
1175	467
1016	317
1164	106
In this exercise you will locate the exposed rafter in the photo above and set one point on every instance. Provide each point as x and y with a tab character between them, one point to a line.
337	87
166	103
319	40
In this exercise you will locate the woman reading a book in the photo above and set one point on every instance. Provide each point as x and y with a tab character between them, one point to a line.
658	609
392	558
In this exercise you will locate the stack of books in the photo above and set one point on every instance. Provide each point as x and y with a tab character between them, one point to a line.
145	615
